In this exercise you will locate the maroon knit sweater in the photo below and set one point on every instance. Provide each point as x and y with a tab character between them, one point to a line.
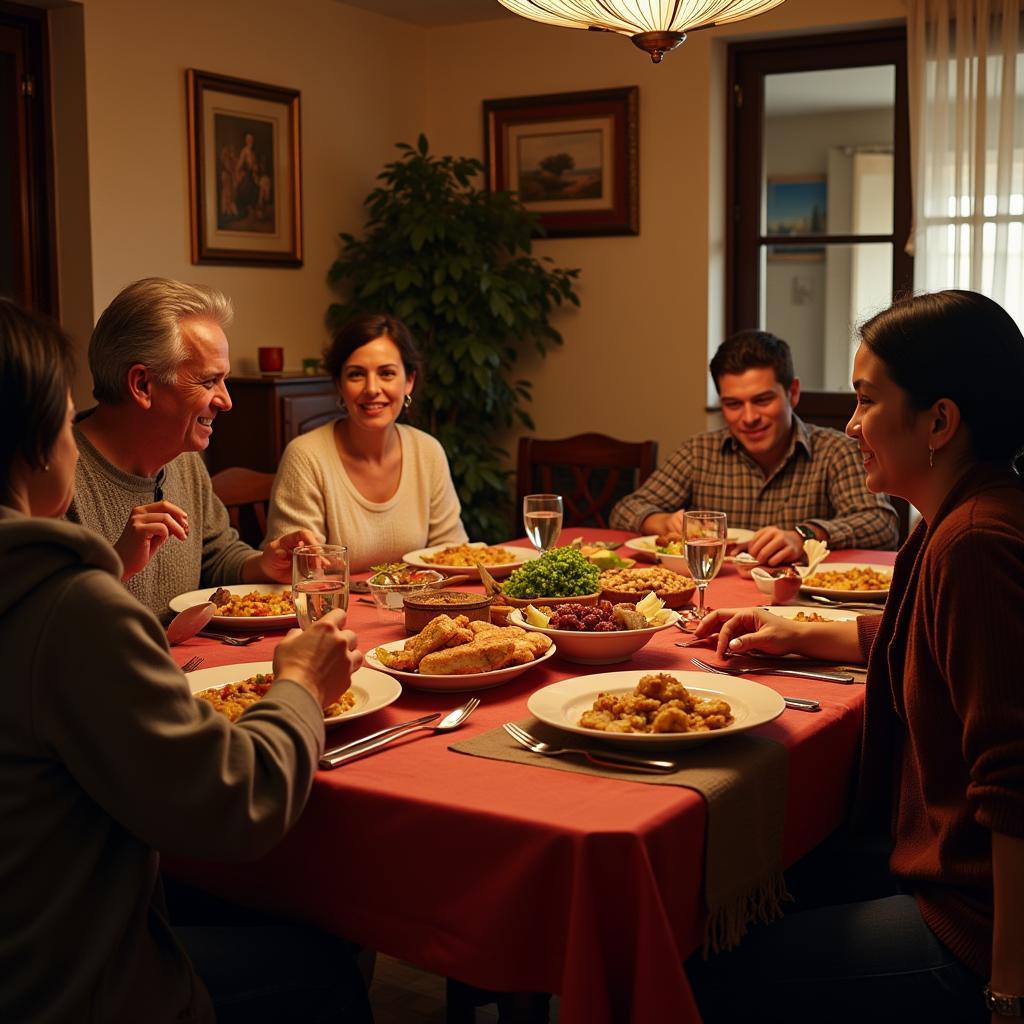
943	748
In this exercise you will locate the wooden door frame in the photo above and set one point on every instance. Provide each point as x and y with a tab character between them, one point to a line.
35	210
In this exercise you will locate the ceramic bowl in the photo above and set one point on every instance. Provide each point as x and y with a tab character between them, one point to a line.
422	608
595	648
680	594
548	602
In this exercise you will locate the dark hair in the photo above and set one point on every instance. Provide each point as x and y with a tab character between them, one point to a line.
748	349
361	330
957	345
36	369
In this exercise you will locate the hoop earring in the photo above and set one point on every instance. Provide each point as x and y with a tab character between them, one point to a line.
407	401
931	458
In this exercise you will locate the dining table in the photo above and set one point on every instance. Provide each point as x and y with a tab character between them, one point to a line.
516	878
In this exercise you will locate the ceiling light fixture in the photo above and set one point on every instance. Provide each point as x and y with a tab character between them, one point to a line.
656	26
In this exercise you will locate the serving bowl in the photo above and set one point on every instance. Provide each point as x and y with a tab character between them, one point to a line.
390	597
595	648
676	596
422	608
550	602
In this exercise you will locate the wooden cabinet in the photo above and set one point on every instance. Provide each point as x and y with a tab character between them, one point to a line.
267	412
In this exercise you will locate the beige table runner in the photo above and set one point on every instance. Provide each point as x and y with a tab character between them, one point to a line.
743	781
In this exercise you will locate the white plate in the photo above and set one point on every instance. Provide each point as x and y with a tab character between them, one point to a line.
520	555
595	648
849	595
373	690
250	623
831	614
646	547
453	683
561	704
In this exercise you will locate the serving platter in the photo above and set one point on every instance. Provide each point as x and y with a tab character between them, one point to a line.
453	683
249	623
847	595
561	704
419	558
789	611
373	690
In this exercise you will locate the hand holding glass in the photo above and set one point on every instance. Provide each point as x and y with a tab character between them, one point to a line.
319	581
542	517
705	537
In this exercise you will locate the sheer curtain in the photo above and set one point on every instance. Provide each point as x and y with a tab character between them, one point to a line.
966	70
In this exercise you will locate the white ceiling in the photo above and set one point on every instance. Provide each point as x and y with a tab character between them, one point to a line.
433	13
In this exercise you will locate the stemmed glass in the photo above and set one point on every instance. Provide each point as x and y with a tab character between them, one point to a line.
705	536
319	581
542	517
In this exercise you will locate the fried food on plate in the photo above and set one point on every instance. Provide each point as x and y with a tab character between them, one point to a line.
457	646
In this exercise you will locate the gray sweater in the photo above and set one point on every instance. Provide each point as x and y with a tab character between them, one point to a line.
211	555
105	758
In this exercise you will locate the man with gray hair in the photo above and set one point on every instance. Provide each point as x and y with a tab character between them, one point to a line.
159	360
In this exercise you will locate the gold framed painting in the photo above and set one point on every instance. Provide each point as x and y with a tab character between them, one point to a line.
572	158
245	182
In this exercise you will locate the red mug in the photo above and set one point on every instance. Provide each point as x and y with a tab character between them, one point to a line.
271	359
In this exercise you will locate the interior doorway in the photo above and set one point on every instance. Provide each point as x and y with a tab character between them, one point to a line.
27	251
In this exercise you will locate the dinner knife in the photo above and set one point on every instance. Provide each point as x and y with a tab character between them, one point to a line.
355	744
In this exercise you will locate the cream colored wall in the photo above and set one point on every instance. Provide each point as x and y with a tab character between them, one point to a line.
361	78
635	359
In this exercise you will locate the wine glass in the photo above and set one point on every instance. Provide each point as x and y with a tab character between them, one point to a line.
704	537
319	581
542	517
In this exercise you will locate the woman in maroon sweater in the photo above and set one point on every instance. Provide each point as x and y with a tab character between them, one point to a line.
938	381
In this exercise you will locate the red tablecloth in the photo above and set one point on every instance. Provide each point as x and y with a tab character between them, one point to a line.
518	878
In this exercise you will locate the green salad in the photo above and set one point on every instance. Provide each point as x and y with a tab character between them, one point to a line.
563	572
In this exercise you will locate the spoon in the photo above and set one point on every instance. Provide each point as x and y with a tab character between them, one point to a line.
186	624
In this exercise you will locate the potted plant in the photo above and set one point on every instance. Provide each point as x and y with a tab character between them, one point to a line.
453	260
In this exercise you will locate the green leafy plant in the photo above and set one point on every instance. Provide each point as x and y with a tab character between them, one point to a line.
453	260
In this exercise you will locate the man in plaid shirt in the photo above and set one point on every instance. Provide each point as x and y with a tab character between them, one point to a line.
767	470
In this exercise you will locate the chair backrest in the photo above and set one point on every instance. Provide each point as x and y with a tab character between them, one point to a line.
246	493
590	471
834	409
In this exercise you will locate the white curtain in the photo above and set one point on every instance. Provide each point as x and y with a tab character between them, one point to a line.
966	70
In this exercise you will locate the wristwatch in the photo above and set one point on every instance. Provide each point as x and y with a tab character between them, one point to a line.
1004	1005
805	531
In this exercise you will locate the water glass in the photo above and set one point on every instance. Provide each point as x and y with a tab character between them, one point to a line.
319	581
705	537
542	517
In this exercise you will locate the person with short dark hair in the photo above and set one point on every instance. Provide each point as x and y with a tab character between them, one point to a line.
107	761
159	359
379	486
770	472
939	936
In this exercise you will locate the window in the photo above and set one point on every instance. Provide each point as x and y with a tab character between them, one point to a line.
820	193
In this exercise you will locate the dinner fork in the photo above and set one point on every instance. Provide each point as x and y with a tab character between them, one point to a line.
192	664
765	670
351	751
606	759
232	641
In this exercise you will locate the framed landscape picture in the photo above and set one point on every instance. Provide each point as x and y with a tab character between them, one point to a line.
245	191
797	205
571	158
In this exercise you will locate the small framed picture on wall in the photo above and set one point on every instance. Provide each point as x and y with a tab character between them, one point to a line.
245	181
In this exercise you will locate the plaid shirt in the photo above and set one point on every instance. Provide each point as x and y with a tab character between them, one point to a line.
820	481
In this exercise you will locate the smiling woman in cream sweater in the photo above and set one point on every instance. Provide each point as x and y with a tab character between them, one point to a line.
367	481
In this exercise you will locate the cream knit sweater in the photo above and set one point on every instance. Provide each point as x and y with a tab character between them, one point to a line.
313	491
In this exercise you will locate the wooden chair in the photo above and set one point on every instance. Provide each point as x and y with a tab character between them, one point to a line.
246	493
834	409
590	471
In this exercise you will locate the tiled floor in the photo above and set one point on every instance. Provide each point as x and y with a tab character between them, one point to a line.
403	994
